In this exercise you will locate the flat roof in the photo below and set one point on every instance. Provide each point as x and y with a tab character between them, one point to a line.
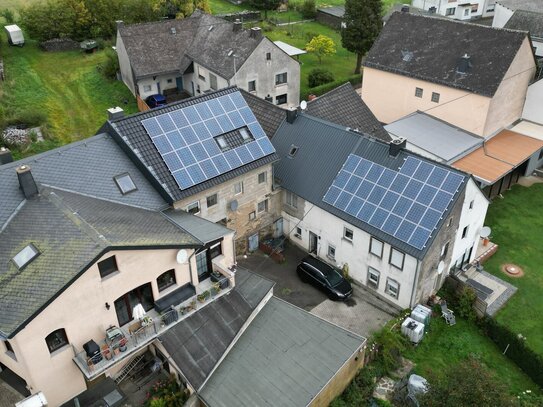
499	155
289	49
529	129
533	106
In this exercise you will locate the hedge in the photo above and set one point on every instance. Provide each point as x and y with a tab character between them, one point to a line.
524	357
322	89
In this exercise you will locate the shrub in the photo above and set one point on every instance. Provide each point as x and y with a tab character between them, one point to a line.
27	118
360	390
166	393
322	89
319	76
308	9
465	301
111	66
8	15
391	344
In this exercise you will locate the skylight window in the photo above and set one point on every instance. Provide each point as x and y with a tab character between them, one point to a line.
407	55
293	150
25	256
125	184
221	141
245	134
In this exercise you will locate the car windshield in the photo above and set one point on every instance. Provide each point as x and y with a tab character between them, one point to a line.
333	277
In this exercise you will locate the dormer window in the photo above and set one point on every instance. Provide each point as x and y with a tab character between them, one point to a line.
124	183
25	256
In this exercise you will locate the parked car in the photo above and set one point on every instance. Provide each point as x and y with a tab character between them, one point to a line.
155	101
314	271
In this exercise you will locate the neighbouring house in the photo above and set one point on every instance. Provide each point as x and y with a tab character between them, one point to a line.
404	8
450	70
532	22
457	9
331	16
533	107
399	221
202	53
209	156
506	8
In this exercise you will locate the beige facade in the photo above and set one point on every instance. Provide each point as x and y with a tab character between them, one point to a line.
82	311
392	96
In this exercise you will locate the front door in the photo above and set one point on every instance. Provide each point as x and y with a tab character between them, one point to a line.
203	265
313	241
125	304
253	242
158	88
278	228
179	83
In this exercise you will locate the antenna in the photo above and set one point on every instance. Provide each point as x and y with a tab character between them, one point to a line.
303	104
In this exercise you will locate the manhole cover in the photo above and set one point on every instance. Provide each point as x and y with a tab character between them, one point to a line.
512	270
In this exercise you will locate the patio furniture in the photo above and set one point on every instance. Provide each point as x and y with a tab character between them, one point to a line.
448	314
175	298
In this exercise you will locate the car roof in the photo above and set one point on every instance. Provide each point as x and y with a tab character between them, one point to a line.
313	261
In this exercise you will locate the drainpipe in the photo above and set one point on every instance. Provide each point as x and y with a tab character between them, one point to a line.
190	266
415	280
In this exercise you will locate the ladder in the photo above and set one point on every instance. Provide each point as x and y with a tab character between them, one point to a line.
125	371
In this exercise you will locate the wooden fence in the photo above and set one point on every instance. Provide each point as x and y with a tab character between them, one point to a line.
479	305
142	106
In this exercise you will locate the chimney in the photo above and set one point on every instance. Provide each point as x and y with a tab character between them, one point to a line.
120	24
26	181
292	114
464	64
256	32
405	8
114	113
5	156
237	25
396	146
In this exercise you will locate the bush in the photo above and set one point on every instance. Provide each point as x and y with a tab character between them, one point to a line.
27	118
391	344
111	66
319	76
465	301
8	15
322	89
166	394
360	390
308	9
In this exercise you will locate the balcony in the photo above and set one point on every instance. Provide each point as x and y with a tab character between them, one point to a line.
121	343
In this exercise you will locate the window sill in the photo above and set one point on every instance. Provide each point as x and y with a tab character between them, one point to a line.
373	287
298	236
167	290
347	240
111	275
60	350
331	257
377	256
279	85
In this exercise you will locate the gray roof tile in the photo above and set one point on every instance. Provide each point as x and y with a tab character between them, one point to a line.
529	5
269	116
527	21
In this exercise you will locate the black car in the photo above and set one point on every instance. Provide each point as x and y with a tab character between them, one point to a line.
155	101
321	275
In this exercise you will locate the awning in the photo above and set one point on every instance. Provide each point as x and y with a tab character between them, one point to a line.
499	155
289	49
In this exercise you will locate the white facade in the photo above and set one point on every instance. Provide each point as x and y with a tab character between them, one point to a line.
502	15
459	10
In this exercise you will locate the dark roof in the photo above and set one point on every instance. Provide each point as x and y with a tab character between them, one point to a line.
269	116
71	231
343	106
202	229
336	11
528	5
309	176
286	357
413	10
130	133
197	343
154	48
87	167
527	21
430	49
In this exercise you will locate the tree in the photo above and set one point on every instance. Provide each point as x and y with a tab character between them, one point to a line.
321	46
265	5
362	26
317	77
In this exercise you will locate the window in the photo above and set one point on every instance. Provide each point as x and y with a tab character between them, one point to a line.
170	80
166	279
211	200
201	74
293	150
291	199
252	86
331	252
450	11
396	258
281	78
194	208
56	340
281	99
435	97
238	188
212	81
262	206
474	8
108	266
471	204
215	250
392	288
124	183
376	247
298	233
540	155
465	232
373	278
221	141
147	88
418	92
252	215
268	56
444	250
466	12
348	234
25	256
262	177
245	135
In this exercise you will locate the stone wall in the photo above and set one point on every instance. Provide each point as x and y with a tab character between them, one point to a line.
59	44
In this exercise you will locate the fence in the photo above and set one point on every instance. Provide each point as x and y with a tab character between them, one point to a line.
142	106
479	306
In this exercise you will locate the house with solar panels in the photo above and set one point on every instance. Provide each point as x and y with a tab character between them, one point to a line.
202	53
208	156
398	220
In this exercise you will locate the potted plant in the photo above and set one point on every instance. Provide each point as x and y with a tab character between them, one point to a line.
122	344
203	296
215	288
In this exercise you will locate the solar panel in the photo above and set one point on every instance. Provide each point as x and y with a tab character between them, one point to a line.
406	204
186	138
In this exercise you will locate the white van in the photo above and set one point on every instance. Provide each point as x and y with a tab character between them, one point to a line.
15	35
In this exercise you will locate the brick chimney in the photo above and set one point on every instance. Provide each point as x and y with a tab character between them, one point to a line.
26	181
5	156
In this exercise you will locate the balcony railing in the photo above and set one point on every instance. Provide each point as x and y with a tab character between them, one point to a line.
139	334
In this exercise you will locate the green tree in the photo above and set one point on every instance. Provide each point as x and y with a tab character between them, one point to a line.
362	26
8	15
321	46
265	5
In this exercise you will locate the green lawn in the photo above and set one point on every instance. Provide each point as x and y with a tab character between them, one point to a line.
444	345
517	227
65	86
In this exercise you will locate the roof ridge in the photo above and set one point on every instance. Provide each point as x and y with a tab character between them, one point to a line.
158	22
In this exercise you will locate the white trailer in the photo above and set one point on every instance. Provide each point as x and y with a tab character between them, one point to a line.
15	35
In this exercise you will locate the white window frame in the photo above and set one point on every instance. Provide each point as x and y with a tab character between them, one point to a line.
279	78
25	256
394	262
345	230
369	282
392	285
265	209
298	233
378	253
333	249
291	199
191	205
238	188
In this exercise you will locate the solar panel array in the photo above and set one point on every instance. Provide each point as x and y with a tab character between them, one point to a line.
185	139
406	204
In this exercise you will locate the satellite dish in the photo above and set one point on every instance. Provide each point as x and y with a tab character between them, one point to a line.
234	205
303	104
485	232
182	256
440	267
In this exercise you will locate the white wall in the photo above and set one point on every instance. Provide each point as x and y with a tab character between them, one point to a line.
201	85
533	106
443	5
165	81
124	65
501	15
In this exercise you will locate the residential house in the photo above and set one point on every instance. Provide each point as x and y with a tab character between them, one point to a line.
532	22
397	220
203	53
533	107
471	76
459	10
210	157
506	8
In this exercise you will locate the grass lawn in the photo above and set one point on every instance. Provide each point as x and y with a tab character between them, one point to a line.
517	227
445	345
65	86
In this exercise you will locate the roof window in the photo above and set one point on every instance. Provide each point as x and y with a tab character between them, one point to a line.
124	183
221	141
293	150
245	134
407	56
25	256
